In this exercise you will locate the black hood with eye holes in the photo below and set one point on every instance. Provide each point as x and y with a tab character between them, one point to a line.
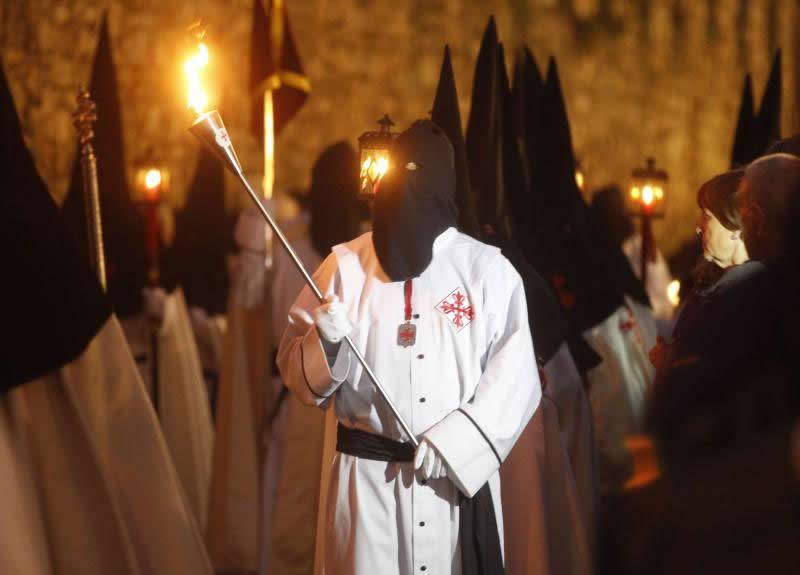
415	201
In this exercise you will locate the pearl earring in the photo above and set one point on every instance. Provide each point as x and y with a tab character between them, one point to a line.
698	231
734	236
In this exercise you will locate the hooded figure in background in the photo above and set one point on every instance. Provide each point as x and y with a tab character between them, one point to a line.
443	322
197	262
603	300
157	326
610	221
88	485
547	479
295	456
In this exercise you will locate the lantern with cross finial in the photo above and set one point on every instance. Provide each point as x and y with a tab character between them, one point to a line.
373	148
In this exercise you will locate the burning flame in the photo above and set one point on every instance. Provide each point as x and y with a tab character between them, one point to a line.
152	179
373	169
647	195
673	292
198	101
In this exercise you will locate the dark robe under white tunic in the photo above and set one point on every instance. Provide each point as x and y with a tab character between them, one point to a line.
469	384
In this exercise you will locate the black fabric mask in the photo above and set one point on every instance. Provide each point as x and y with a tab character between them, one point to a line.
415	200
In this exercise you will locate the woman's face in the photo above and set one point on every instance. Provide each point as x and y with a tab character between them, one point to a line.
720	245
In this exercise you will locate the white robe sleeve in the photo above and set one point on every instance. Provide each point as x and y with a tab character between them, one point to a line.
478	436
305	369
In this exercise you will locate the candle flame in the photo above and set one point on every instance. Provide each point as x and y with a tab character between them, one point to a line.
198	100
647	195
152	179
373	168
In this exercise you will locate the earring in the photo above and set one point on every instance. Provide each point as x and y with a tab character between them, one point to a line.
698	231
734	236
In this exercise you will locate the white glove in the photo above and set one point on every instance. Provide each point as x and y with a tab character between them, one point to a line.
155	300
331	320
428	460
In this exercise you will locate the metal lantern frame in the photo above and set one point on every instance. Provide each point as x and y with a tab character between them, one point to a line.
647	200
373	152
648	191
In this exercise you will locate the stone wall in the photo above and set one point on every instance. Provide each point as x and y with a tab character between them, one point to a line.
658	77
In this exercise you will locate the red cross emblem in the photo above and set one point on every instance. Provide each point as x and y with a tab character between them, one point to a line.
457	308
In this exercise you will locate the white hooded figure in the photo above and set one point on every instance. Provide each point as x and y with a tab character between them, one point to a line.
442	320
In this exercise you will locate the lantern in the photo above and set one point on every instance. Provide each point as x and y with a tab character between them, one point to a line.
373	148
646	200
648	190
152	182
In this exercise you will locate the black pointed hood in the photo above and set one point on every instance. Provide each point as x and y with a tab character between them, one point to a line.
515	175
54	302
197	260
588	276
445	114
123	225
743	151
769	113
333	197
484	132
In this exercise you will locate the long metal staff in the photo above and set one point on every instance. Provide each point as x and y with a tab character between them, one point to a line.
210	130
84	117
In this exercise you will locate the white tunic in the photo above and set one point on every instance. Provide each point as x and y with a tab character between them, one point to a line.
470	379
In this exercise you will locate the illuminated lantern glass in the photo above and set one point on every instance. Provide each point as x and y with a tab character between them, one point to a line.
373	148
648	190
152	180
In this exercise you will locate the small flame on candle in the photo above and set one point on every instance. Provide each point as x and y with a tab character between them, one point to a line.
198	101
647	195
152	179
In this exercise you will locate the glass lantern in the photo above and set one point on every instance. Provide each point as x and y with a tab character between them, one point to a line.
373	148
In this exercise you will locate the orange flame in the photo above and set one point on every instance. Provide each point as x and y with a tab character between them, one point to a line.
198	100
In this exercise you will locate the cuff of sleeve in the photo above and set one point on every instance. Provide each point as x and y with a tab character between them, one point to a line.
466	450
320	377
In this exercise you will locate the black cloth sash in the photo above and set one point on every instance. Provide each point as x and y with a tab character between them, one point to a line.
477	525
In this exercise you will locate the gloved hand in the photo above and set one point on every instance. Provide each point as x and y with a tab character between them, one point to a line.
331	320
428	460
155	300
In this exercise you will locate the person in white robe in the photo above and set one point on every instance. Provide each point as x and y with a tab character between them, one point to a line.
442	320
87	483
331	216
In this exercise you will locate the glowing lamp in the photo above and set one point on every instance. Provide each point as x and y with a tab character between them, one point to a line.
151	180
648	190
647	199
373	151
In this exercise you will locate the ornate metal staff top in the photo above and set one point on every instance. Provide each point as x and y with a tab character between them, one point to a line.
84	117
